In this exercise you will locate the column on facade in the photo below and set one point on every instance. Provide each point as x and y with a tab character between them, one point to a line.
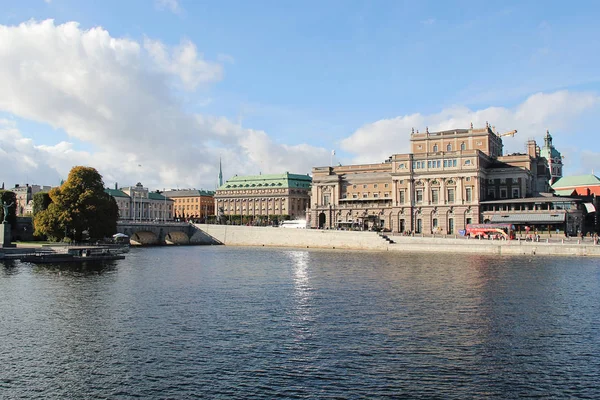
442	191
459	190
395	194
426	191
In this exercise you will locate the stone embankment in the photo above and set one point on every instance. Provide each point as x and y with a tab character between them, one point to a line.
330	239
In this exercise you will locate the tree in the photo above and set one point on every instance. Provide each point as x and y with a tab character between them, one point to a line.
79	205
9	197
41	201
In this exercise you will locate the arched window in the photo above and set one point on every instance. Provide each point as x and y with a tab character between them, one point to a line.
449	147
435	148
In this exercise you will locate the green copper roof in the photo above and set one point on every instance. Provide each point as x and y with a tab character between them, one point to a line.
116	193
188	193
281	181
579	180
156	196
564	192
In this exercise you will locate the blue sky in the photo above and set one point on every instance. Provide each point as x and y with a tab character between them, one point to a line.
272	86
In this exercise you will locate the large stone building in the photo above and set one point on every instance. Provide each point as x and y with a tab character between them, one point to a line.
265	197
137	203
437	188
24	194
192	203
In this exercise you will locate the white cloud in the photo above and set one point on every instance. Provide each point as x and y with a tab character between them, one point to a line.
172	5
106	93
184	62
555	111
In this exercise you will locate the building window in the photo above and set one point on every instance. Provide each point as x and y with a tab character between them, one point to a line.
469	221
355	196
419	195
449	147
515	193
450	225
365	195
402	197
364	186
435	148
376	195
386	185
463	147
467	162
468	194
434	224
502	193
435	195
386	195
375	186
450	195
344	196
326	200
492	193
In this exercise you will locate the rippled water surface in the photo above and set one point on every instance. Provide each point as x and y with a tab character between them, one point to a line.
219	322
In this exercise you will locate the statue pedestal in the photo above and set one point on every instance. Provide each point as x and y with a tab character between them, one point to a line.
5	239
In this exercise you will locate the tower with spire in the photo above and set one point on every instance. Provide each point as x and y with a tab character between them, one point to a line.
555	164
220	173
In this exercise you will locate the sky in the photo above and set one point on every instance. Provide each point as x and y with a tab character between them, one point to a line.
158	91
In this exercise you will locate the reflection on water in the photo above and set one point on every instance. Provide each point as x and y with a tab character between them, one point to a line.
221	322
76	268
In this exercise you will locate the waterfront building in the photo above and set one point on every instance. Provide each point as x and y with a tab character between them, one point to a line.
554	158
137	203
437	188
264	197
587	188
192	203
24	194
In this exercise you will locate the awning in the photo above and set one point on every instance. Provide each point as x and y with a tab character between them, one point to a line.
590	207
523	218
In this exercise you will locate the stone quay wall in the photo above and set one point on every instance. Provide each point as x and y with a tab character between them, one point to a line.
331	239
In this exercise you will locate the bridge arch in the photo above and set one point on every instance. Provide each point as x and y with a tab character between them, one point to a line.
176	237
144	238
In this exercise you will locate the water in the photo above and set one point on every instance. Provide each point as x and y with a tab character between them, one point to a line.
227	323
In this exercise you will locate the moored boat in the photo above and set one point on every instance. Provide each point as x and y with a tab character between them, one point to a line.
74	254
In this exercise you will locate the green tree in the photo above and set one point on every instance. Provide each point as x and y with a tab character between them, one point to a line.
79	205
41	201
9	197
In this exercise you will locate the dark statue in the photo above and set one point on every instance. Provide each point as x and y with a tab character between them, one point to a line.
6	207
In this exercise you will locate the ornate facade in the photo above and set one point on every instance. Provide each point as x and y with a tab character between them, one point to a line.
270	196
437	188
137	203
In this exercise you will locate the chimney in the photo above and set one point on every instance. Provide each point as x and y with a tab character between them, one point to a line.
531	148
116	186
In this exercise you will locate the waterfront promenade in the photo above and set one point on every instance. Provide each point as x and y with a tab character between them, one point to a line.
332	239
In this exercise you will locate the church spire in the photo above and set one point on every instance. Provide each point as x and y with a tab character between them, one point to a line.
220	173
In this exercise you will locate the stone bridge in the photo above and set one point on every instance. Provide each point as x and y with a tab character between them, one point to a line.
159	233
